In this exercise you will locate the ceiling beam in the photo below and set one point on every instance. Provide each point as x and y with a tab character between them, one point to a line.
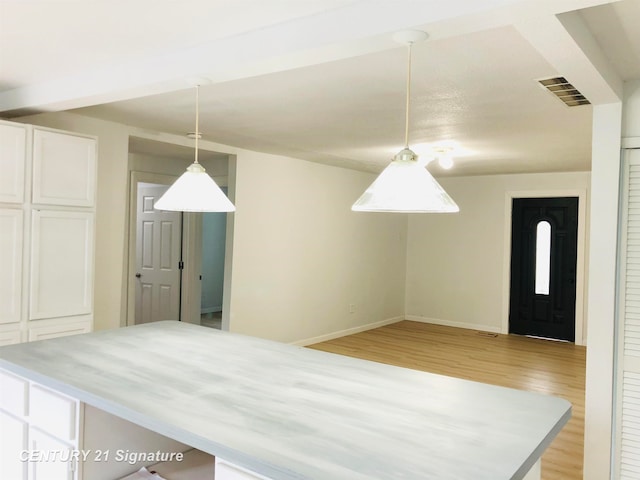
364	26
567	44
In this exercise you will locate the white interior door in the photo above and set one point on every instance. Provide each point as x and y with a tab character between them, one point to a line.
158	245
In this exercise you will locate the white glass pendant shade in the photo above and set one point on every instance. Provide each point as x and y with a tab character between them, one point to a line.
195	191
405	186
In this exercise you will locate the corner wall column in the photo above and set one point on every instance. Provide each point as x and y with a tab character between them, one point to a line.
603	242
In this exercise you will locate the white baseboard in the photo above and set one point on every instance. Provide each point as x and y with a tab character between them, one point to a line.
211	310
449	323
348	331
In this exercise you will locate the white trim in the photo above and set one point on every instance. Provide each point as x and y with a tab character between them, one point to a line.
72	326
631	142
536	471
11	333
631	364
58	130
451	323
348	331
217	308
581	287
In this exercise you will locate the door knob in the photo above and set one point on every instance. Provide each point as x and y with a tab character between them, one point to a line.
138	275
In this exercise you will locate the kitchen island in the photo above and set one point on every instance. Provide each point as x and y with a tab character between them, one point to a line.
283	412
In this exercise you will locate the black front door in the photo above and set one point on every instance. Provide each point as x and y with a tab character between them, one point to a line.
543	267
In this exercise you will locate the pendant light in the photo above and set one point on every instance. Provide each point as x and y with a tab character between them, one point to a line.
195	190
405	185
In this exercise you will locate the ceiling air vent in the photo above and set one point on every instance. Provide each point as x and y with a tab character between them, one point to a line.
566	92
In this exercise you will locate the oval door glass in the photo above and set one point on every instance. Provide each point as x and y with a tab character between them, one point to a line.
543	257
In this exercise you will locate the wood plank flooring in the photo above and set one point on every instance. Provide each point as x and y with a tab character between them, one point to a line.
537	365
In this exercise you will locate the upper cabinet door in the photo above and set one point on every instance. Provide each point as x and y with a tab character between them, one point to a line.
61	264
11	261
13	151
64	169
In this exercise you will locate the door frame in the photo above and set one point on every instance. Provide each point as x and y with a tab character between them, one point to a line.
191	253
580	257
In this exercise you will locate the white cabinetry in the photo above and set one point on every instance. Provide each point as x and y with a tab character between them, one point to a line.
40	431
64	169
13	442
61	264
13	159
47	435
11	228
47	200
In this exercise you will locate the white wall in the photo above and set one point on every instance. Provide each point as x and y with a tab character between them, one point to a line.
631	110
300	256
456	263
214	230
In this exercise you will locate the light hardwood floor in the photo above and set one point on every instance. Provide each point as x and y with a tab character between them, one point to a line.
512	361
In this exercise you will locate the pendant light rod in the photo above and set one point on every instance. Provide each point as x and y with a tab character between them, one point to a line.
197	134
406	120
408	38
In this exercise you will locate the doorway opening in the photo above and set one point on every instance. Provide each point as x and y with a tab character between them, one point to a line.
214	230
157	163
168	249
544	247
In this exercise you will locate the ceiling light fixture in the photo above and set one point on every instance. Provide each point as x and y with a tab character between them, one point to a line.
405	185
195	190
444	156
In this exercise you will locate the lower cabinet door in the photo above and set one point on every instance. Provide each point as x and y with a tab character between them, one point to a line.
13	447
51	459
53	413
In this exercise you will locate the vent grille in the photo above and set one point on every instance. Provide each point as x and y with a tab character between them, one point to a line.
566	92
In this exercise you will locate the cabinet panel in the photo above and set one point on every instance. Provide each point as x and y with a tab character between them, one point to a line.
64	169
40	331
11	240
13	394
61	264
10	335
56	462
13	151
53	412
13	441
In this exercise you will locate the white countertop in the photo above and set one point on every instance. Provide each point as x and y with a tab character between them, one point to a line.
293	413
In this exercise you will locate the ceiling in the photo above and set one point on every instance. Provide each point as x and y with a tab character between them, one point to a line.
323	80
